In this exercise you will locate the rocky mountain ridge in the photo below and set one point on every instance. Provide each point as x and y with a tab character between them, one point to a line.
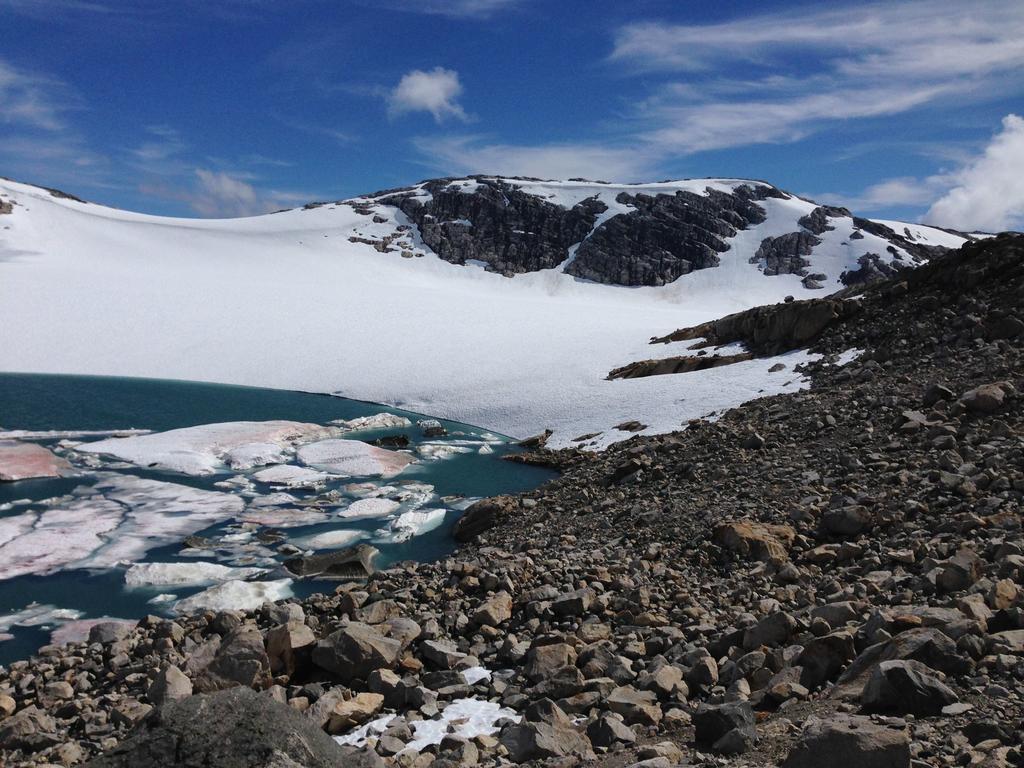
645	234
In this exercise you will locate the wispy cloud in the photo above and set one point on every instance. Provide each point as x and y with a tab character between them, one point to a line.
435	91
221	194
804	69
452	8
32	99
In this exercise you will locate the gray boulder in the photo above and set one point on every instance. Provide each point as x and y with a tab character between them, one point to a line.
727	729
237	728
906	687
356	650
845	741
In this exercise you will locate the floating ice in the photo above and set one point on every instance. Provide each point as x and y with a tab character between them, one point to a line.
440	450
369	508
36	615
352	458
254	455
177	574
236	596
291	476
414	523
65	434
283	517
117	520
330	539
377	421
21	461
201	450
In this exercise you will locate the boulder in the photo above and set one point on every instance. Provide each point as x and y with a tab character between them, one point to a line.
988	398
347	714
906	687
240	660
482	516
543	660
636	707
29	730
356	650
847	741
170	684
494	611
545	732
348	563
288	646
727	729
608	730
236	728
925	644
756	541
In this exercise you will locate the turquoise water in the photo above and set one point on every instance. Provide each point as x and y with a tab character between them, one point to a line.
45	402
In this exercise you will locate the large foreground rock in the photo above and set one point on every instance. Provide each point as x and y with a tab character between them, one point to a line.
238	728
845	741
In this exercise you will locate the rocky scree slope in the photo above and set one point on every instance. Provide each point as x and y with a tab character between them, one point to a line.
832	576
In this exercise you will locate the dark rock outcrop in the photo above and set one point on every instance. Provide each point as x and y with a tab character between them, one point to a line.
817	220
772	328
497	223
238	728
666	236
784	255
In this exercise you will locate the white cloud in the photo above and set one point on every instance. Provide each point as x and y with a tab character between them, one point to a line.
987	193
473	154
436	92
32	100
220	194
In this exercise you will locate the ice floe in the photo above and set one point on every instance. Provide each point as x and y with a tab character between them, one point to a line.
67	434
330	539
415	523
291	476
22	461
36	615
441	450
369	508
184	574
235	595
377	421
117	520
352	458
203	449
254	455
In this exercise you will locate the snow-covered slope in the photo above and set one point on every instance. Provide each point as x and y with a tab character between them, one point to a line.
348	297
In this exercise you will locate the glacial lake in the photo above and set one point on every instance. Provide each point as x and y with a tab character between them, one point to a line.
448	472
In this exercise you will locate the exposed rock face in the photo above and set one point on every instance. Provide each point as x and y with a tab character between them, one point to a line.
667	236
682	364
772	328
348	563
496	223
784	255
817	220
6	207
511	231
238	728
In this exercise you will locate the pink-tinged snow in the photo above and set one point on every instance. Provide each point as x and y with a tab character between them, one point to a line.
22	461
116	521
285	300
205	449
352	458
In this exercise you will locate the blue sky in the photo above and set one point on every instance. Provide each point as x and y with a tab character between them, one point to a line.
236	107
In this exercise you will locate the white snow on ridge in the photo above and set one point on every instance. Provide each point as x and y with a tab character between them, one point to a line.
303	307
